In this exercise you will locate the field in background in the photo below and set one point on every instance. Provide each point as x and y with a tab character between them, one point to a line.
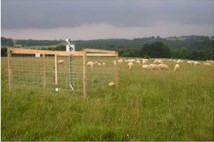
147	105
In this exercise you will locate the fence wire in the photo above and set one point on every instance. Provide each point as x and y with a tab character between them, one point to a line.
39	70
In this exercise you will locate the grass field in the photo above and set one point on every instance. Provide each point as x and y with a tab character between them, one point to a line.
146	105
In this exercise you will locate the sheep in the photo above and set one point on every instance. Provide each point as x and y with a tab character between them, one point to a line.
104	63
60	61
114	62
153	67
90	63
145	67
193	63
130	64
207	64
196	63
138	61
190	62
210	61
158	61
144	61
120	61
163	66
176	67
179	61
99	64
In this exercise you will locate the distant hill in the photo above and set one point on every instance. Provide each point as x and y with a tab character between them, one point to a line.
126	47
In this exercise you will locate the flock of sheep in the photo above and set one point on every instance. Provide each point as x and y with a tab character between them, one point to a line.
157	64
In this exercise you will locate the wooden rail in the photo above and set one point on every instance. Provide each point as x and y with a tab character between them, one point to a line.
89	52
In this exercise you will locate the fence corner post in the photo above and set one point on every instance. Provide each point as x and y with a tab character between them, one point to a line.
84	74
9	69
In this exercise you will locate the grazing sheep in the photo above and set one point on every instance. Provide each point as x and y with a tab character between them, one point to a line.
120	61
115	62
153	67
90	63
207	64
138	61
190	62
179	61
99	64
145	67
210	61
193	63
104	63
130	64
196	63
163	66
158	61
144	61
60	61
176	67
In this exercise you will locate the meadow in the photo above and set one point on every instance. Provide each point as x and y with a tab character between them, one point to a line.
146	105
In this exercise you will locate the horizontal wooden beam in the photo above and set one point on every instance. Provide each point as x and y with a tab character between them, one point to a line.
89	52
99	51
49	52
100	54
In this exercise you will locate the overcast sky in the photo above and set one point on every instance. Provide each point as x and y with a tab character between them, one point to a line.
99	19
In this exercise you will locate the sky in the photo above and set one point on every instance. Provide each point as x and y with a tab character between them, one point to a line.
103	19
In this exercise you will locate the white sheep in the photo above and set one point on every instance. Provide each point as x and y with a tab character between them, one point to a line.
193	63
176	67
90	63
207	64
153	67
120	61
99	64
158	61
179	61
163	66
114	62
144	61
104	63
60	61
138	61
130	64
196	63
145	67
190	62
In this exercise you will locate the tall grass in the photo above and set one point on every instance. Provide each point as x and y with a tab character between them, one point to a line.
156	105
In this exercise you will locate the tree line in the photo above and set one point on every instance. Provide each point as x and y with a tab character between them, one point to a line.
185	47
160	50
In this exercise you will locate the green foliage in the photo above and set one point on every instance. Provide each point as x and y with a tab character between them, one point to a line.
3	52
156	50
31	42
186	47
201	55
182	53
6	41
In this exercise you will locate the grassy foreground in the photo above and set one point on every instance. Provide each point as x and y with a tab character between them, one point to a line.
157	105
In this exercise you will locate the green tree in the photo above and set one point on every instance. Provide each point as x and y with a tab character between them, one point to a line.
7	41
182	53
155	50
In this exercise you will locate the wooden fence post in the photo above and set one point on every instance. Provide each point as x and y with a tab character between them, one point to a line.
56	70
117	71
84	74
43	71
9	69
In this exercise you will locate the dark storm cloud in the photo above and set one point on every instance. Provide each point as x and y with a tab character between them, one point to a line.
64	13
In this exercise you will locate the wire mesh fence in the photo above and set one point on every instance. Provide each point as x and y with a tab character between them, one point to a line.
62	70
